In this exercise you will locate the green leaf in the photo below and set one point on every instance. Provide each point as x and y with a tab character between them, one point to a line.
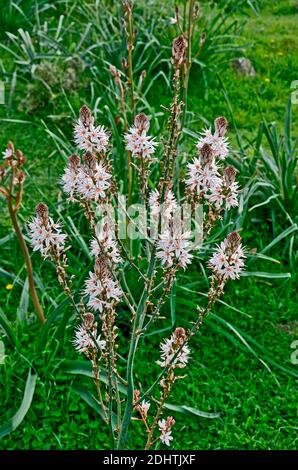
87	396
282	235
7	328
16	420
188	410
173	304
266	275
24	302
90	399
84	368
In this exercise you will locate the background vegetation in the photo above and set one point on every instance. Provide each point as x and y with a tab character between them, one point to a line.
55	57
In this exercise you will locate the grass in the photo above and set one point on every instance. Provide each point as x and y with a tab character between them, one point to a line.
256	411
257	408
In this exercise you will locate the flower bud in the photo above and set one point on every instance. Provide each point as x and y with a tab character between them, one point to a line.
20	156
114	72
42	212
233	241
86	116
170	422
221	126
21	177
206	155
229	175
74	161
89	160
88	320
142	122
178	49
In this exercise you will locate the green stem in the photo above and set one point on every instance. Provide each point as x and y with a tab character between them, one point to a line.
188	61
137	326
131	86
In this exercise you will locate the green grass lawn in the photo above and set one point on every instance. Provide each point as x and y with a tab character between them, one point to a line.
236	365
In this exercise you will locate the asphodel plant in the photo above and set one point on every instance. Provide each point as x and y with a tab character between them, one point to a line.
168	244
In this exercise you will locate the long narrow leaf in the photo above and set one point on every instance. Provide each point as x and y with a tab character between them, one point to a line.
16	420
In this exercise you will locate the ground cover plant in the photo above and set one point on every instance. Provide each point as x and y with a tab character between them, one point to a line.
243	364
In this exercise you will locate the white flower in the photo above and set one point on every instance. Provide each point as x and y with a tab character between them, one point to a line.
174	351
154	203
90	138
167	208
93	285
202	178
108	246
173	247
138	143
112	289
144	407
228	261
96	304
8	153
101	290
46	236
69	181
165	427
85	339
166	437
222	196
93	187
101	343
219	144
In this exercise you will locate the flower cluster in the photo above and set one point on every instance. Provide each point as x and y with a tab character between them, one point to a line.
174	350
167	209
203	173
46	235
228	260
225	192
87	136
89	181
205	177
165	427
102	290
217	141
137	141
173	248
105	244
13	159
86	339
142	407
